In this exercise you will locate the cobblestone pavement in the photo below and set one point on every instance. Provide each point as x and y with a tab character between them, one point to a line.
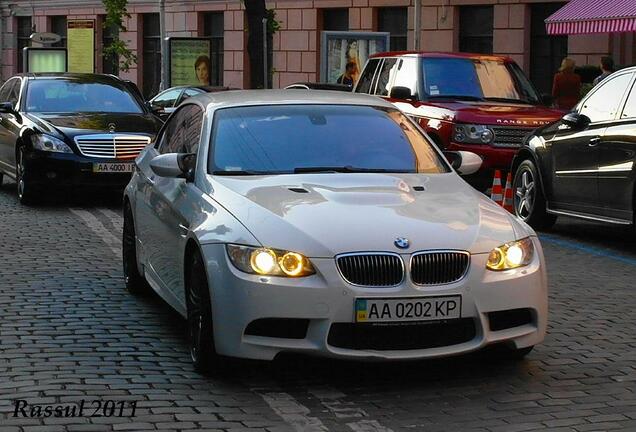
69	331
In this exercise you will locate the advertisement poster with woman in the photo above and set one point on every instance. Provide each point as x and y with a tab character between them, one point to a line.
189	61
345	53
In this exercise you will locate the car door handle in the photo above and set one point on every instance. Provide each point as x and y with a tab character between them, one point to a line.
594	141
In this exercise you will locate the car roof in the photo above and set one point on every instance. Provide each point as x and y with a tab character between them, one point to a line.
48	75
234	98
431	54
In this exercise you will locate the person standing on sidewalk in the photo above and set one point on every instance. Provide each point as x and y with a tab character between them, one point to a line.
566	87
607	68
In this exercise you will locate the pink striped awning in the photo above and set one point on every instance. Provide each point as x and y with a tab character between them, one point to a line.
593	16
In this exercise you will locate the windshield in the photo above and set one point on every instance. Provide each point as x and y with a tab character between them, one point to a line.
277	139
60	96
475	79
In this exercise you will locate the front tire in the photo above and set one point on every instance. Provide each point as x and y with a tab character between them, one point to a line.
27	194
135	282
529	202
200	332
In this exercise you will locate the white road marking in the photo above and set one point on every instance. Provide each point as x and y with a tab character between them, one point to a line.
332	399
116	219
113	242
292	412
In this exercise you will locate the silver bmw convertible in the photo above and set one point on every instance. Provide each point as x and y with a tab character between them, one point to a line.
325	223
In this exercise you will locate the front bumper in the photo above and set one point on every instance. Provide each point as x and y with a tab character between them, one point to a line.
50	169
326	303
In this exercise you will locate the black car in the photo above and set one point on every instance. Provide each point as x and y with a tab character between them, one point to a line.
583	164
165	102
71	130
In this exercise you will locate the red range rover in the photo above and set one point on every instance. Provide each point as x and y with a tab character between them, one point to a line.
480	103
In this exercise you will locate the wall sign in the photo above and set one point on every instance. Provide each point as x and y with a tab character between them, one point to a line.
44	59
343	54
80	42
189	61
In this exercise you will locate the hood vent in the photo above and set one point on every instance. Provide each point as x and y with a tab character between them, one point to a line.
298	190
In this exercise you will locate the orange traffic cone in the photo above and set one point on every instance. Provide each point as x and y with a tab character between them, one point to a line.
496	192
507	201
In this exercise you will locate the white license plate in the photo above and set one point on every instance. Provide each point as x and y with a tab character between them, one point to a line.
113	167
407	309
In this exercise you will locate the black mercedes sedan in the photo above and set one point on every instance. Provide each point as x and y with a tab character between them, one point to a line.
71	130
583	164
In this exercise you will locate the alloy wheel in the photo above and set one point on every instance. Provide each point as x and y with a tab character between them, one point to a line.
525	195
20	173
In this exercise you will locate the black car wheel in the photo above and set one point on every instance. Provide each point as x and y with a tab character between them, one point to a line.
200	333
528	200
135	282
26	190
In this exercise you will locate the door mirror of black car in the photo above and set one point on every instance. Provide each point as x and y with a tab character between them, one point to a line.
547	99
174	165
156	109
463	162
575	120
7	108
399	92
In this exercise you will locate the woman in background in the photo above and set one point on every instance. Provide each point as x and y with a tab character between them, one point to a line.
566	88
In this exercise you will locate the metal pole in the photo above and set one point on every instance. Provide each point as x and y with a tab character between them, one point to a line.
416	25
265	69
164	54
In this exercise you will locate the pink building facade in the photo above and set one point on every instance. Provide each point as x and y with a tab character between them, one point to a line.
510	27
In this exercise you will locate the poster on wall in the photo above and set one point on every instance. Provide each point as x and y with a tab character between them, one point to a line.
80	42
189	61
345	53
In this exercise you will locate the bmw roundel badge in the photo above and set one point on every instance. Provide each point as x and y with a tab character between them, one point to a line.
401	242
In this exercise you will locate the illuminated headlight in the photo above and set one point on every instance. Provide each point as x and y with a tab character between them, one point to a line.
511	255
49	143
270	262
473	134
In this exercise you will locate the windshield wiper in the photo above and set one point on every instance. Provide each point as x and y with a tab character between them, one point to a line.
501	99
347	169
458	97
241	172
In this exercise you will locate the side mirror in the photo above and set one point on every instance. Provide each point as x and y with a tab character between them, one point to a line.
464	162
7	108
399	92
575	120
156	109
174	165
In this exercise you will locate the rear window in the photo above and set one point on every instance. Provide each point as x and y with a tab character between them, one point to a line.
292	138
59	95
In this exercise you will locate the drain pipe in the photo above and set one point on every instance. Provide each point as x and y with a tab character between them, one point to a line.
417	11
162	32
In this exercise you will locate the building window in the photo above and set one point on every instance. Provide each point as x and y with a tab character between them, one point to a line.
110	64
151	56
58	26
475	29
546	51
335	19
395	21
24	32
213	27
